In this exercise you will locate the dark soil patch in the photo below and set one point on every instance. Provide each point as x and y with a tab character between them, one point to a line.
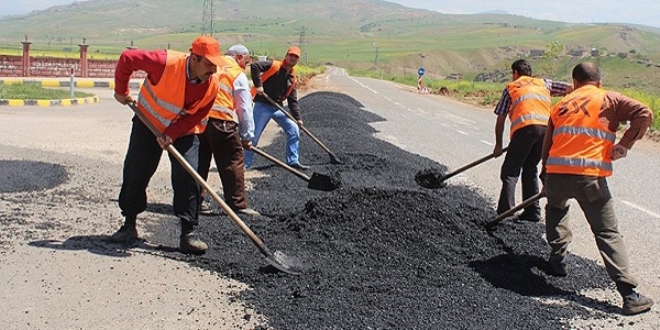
25	176
383	253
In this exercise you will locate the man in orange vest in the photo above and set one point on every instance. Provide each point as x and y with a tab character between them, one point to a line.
578	151
176	97
229	130
277	79
526	101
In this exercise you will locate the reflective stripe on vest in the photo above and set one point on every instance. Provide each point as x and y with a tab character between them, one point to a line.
223	106
530	103
163	102
581	143
272	71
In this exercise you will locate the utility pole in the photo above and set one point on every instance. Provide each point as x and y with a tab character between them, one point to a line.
302	42
207	18
376	56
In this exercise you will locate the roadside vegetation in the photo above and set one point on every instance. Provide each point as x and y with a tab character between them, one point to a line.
34	91
487	94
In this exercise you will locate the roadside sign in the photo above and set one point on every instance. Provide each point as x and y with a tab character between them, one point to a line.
421	71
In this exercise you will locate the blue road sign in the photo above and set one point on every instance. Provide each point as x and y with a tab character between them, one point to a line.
421	71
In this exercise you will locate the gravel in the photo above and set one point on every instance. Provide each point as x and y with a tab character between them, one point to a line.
382	252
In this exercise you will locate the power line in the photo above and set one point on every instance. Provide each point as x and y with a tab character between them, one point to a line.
207	18
302	43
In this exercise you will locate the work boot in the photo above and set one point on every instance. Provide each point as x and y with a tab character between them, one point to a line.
205	208
248	211
190	243
299	166
127	233
636	303
530	216
559	267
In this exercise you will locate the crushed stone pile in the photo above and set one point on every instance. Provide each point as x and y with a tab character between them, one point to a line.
382	252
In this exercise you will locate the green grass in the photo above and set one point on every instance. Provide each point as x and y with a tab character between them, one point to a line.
34	91
487	94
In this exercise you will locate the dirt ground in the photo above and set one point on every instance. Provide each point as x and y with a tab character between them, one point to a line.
60	171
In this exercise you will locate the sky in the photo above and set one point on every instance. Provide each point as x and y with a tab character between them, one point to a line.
643	12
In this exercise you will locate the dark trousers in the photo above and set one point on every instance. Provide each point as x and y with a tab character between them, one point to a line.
593	195
524	154
221	140
141	163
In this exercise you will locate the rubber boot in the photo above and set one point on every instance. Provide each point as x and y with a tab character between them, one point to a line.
190	243
127	233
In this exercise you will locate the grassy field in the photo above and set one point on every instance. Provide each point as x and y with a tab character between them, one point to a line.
34	91
487	94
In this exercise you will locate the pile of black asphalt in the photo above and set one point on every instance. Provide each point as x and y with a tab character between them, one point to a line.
382	252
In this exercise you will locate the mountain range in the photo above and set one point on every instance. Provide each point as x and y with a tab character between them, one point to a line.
350	33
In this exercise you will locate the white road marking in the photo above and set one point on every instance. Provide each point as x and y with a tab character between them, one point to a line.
634	206
462	132
486	142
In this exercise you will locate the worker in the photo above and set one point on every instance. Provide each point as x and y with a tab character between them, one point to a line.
229	130
578	151
526	101
176	96
277	80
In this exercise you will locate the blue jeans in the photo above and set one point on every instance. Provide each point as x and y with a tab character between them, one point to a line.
262	114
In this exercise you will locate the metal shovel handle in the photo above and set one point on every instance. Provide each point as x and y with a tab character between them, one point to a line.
515	209
170	148
469	166
304	129
280	163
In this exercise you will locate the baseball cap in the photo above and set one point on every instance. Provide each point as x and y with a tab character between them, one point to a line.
293	50
237	50
209	48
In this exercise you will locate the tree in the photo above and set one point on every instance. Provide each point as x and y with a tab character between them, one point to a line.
554	50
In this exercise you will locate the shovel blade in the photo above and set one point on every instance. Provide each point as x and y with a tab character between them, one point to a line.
335	160
323	182
282	263
429	180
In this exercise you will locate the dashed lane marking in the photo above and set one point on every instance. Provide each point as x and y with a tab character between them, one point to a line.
637	207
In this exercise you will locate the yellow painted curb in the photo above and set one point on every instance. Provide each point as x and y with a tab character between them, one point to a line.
50	83
46	103
43	103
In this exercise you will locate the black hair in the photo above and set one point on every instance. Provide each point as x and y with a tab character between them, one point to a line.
586	72
522	67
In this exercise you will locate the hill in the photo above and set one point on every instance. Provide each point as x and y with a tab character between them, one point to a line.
352	34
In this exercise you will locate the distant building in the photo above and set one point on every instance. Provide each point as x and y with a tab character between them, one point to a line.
537	53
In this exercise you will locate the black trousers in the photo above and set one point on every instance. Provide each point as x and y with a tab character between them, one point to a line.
524	154
221	140
140	164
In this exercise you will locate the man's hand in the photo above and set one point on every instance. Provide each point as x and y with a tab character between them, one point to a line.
124	99
164	141
260	90
300	122
247	144
619	152
497	151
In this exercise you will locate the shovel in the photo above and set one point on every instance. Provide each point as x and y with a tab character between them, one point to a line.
317	181
333	158
276	259
529	201
435	180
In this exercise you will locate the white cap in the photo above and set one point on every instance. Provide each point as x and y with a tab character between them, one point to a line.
237	50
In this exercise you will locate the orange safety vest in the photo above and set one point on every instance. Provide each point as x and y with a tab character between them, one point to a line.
162	103
223	107
270	72
530	103
581	143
